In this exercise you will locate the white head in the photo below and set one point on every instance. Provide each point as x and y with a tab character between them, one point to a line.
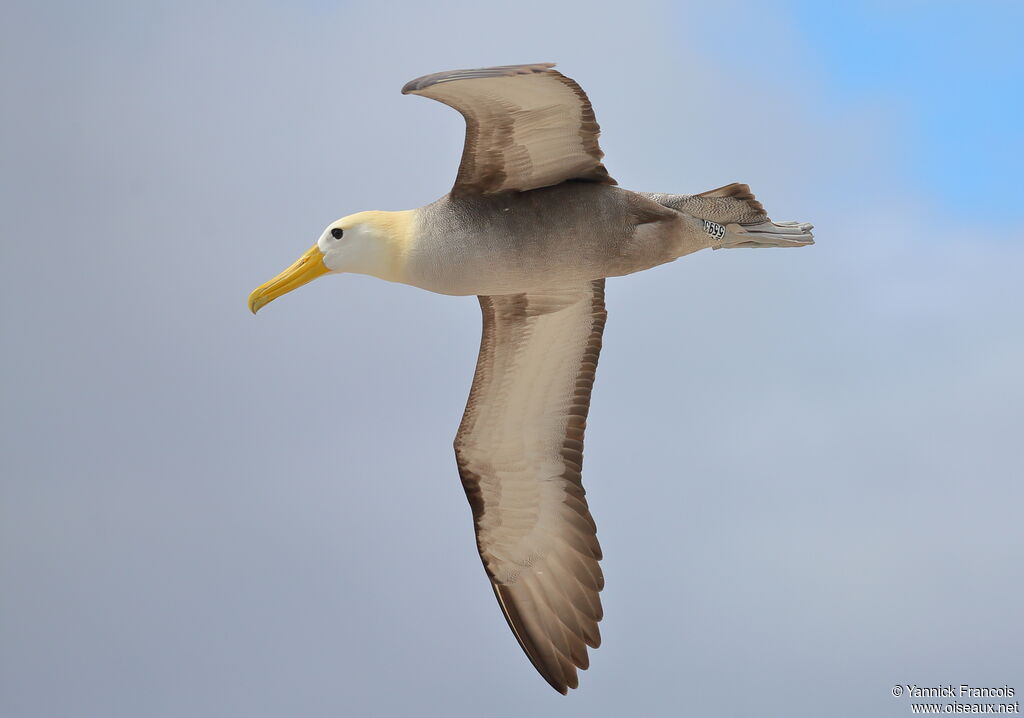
358	243
373	243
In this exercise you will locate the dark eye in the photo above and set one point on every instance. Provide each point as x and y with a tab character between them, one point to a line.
337	232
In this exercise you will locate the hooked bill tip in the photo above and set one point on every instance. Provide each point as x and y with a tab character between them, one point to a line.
256	303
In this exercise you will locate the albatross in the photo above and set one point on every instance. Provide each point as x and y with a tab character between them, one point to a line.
533	226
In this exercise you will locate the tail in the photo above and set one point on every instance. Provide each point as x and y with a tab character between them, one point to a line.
734	218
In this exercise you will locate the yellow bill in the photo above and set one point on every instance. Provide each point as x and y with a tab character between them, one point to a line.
308	267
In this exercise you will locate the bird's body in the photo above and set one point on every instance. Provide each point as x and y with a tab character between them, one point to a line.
520	242
533	227
572	232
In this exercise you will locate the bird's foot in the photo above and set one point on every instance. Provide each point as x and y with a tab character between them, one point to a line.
766	234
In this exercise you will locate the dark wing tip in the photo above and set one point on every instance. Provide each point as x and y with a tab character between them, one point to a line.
526	642
421	83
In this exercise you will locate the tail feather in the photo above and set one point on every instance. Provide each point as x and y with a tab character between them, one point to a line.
734	218
724	205
739	192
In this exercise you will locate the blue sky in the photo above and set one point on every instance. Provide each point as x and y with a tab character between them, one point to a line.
948	75
955	74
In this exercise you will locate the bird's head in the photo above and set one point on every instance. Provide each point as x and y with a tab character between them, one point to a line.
372	243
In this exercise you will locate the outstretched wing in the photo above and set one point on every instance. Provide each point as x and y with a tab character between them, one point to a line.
520	456
527	126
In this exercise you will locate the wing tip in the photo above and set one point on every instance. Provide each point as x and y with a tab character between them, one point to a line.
421	83
532	652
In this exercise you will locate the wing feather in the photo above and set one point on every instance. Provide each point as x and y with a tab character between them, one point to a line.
520	454
527	126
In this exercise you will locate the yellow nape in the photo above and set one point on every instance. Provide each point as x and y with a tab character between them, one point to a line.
394	227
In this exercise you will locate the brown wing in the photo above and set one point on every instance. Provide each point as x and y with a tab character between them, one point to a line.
520	456
527	126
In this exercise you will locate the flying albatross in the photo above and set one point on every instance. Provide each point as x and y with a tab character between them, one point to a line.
533	226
